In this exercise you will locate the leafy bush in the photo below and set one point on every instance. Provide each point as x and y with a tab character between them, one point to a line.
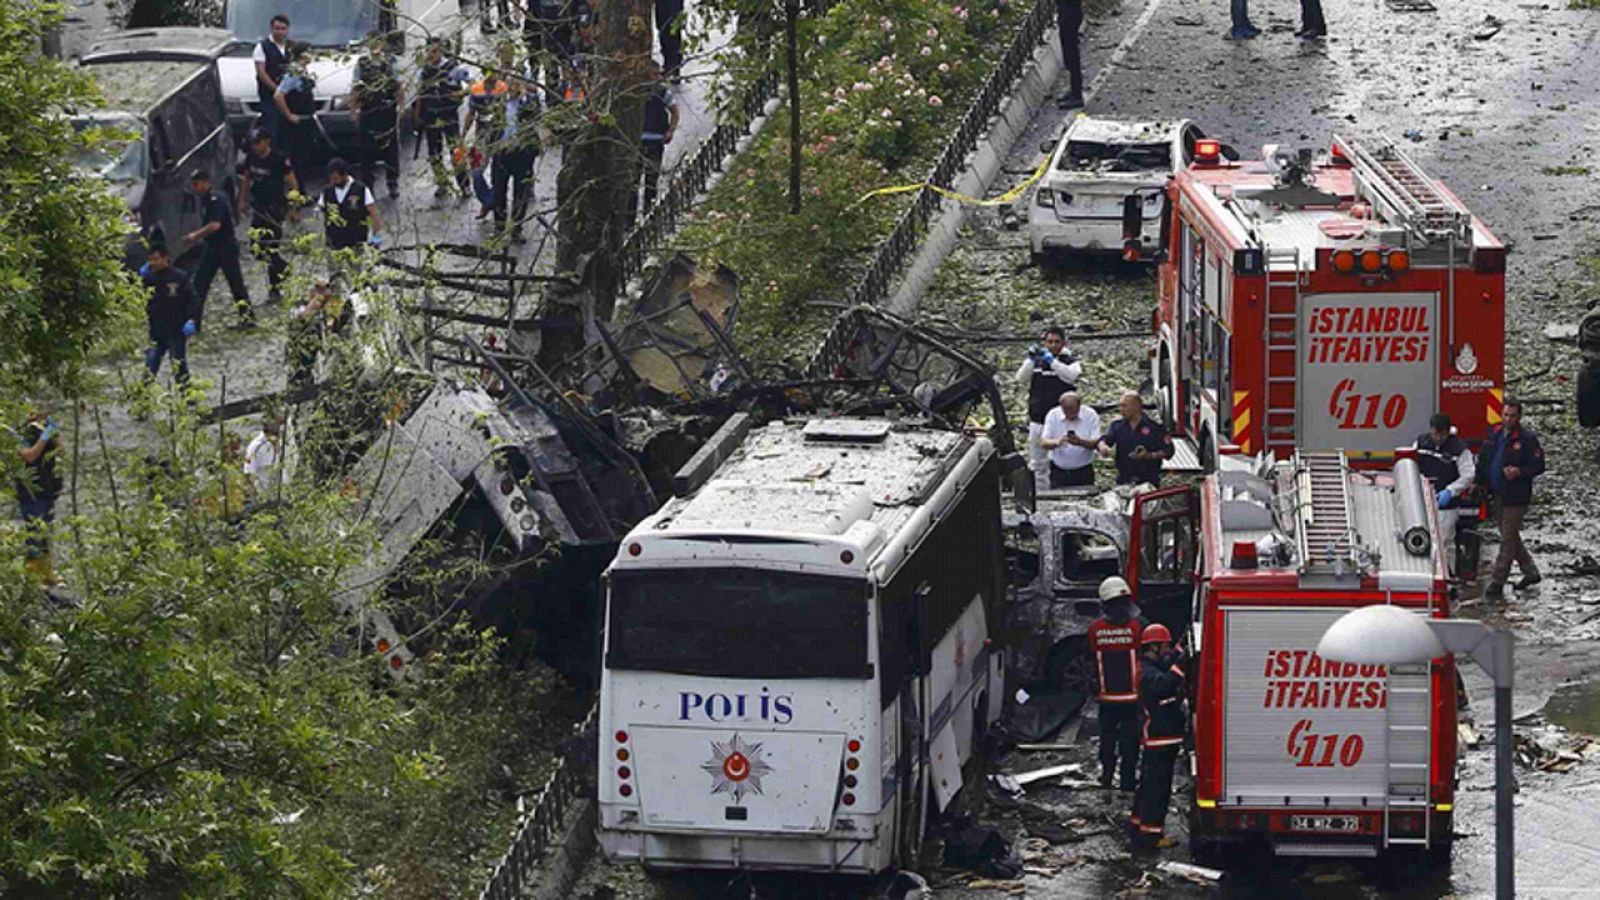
880	90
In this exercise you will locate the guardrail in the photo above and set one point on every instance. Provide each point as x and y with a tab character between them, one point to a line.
541	826
875	283
691	175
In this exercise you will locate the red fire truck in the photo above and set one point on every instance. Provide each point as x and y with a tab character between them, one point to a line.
1327	304
1319	758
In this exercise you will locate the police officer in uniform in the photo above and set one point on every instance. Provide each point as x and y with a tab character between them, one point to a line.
296	99
506	116
172	314
1114	641
220	251
1138	442
1049	371
268	179
271	57
1447	462
660	122
1161	697
37	485
350	215
436	110
375	104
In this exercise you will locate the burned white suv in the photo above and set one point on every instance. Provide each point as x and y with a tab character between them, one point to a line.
1102	191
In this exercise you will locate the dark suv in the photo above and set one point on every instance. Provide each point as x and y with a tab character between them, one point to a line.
162	93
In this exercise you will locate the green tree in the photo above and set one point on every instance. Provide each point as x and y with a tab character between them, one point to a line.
63	292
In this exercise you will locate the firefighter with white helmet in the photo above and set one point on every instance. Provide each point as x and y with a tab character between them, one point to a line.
1114	641
1161	695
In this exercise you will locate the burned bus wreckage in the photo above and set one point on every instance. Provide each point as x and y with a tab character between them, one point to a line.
533	475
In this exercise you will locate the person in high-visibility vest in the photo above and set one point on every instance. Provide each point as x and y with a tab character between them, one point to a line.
1161	696
1114	641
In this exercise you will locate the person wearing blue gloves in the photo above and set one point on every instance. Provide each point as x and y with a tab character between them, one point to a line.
350	214
172	311
37	485
1049	371
1447	462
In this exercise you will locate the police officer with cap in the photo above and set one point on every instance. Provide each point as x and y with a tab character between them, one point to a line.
1161	696
1049	371
220	250
1448	464
1114	641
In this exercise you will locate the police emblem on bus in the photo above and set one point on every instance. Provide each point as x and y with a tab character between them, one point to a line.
736	768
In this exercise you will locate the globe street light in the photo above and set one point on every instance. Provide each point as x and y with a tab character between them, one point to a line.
1391	636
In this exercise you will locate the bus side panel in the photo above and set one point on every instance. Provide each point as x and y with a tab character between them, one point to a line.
944	599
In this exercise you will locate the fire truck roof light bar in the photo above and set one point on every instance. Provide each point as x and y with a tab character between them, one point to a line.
1402	192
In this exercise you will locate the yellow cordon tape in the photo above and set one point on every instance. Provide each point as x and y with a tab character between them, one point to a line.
1002	200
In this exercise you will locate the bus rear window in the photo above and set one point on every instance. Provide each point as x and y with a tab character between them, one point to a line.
738	623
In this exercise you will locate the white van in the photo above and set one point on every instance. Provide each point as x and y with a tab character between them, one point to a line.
335	29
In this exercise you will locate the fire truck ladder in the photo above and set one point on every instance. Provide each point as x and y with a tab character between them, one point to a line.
1282	420
1407	751
1327	540
1403	193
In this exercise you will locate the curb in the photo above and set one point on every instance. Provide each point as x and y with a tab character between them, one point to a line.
983	167
572	853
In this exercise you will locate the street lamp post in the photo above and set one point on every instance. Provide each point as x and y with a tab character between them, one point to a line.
1391	636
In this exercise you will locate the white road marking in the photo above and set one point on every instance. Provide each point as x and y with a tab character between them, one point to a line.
1118	54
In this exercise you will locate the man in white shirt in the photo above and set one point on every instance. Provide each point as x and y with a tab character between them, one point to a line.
261	461
271	57
1048	370
1071	434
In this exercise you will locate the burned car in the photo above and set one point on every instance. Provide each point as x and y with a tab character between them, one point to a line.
1059	554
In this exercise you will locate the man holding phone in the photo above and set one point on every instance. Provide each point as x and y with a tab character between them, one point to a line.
1071	435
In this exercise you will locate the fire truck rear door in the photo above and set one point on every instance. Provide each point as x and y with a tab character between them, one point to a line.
1368	371
1300	731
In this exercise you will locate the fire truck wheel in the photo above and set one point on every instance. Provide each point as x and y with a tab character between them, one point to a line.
1589	397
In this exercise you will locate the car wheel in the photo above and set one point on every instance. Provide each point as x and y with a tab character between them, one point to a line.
1070	667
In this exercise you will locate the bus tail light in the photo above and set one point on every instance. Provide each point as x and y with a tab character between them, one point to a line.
634	549
849	799
625	790
854	746
622	737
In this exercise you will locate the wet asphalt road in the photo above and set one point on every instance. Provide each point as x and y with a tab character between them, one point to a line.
1496	116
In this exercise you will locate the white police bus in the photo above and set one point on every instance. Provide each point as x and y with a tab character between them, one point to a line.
797	661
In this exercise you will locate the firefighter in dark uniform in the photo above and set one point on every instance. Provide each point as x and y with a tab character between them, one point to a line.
350	215
296	100
1138	442
1161	697
375	105
1447	462
220	251
437	110
1114	641
1049	371
268	180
